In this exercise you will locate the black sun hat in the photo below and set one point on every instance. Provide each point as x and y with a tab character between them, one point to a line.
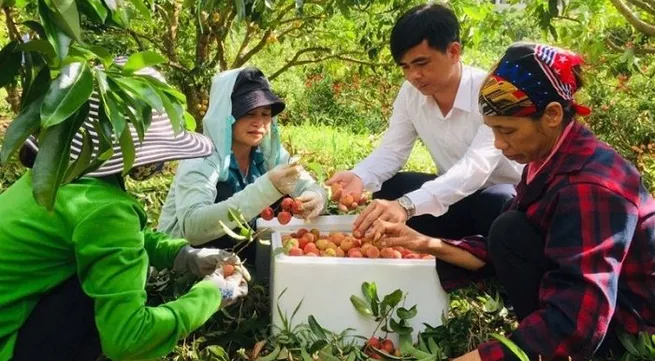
251	90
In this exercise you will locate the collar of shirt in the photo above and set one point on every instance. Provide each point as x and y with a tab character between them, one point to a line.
254	169
464	97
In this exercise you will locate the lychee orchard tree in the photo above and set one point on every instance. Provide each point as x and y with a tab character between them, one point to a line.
51	69
201	37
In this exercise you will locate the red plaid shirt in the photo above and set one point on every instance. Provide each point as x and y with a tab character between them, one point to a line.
599	227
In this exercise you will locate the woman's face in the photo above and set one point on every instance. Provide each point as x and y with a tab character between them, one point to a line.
524	139
251	128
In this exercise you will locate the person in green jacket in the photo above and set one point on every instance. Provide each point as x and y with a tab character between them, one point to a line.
72	281
248	169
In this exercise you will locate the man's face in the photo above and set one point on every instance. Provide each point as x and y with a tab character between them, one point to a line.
428	69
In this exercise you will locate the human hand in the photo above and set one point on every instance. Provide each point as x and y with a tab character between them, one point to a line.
349	183
284	177
203	261
312	204
390	211
394	234
232	288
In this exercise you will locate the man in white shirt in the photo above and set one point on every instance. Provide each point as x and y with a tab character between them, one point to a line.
437	104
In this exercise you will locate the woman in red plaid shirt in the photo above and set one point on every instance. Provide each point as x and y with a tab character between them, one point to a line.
575	250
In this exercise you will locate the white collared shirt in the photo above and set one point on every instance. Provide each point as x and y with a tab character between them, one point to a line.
460	144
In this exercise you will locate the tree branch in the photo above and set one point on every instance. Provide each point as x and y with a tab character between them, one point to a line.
238	61
563	17
641	51
12	28
219	57
633	19
154	42
246	40
344	56
645	5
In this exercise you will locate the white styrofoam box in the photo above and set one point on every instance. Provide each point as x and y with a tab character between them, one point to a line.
325	284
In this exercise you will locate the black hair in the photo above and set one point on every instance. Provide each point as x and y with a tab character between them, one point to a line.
568	107
435	23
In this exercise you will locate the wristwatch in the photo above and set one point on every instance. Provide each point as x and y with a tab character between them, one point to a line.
407	205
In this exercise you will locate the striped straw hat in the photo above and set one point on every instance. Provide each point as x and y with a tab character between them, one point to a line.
160	142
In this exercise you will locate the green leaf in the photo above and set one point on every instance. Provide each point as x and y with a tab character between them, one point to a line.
434	348
82	162
318	170
189	121
142	60
67	93
230	232
370	291
317	346
141	7
102	54
173	109
393	299
95	10
316	328
139	89
324	355
406	347
40	46
305	355
27	122
522	356
67	17
109	104
36	27
406	314
241	9
36	88
271	356
233	216
361	306
398	328
552	7
53	33
53	157
127	148
10	62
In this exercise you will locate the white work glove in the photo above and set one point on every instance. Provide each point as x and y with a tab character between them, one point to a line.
203	261
284	177
312	204
232	288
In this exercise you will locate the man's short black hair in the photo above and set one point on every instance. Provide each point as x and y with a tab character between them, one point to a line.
435	23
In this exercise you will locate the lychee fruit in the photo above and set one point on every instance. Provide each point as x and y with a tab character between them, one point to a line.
340	252
287	204
284	217
387	252
292	242
301	232
387	346
331	245
355	253
267	214
372	252
330	252
310	248
322	244
347	244
295	251
228	270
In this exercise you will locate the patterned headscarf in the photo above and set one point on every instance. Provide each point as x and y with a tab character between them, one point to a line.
529	77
